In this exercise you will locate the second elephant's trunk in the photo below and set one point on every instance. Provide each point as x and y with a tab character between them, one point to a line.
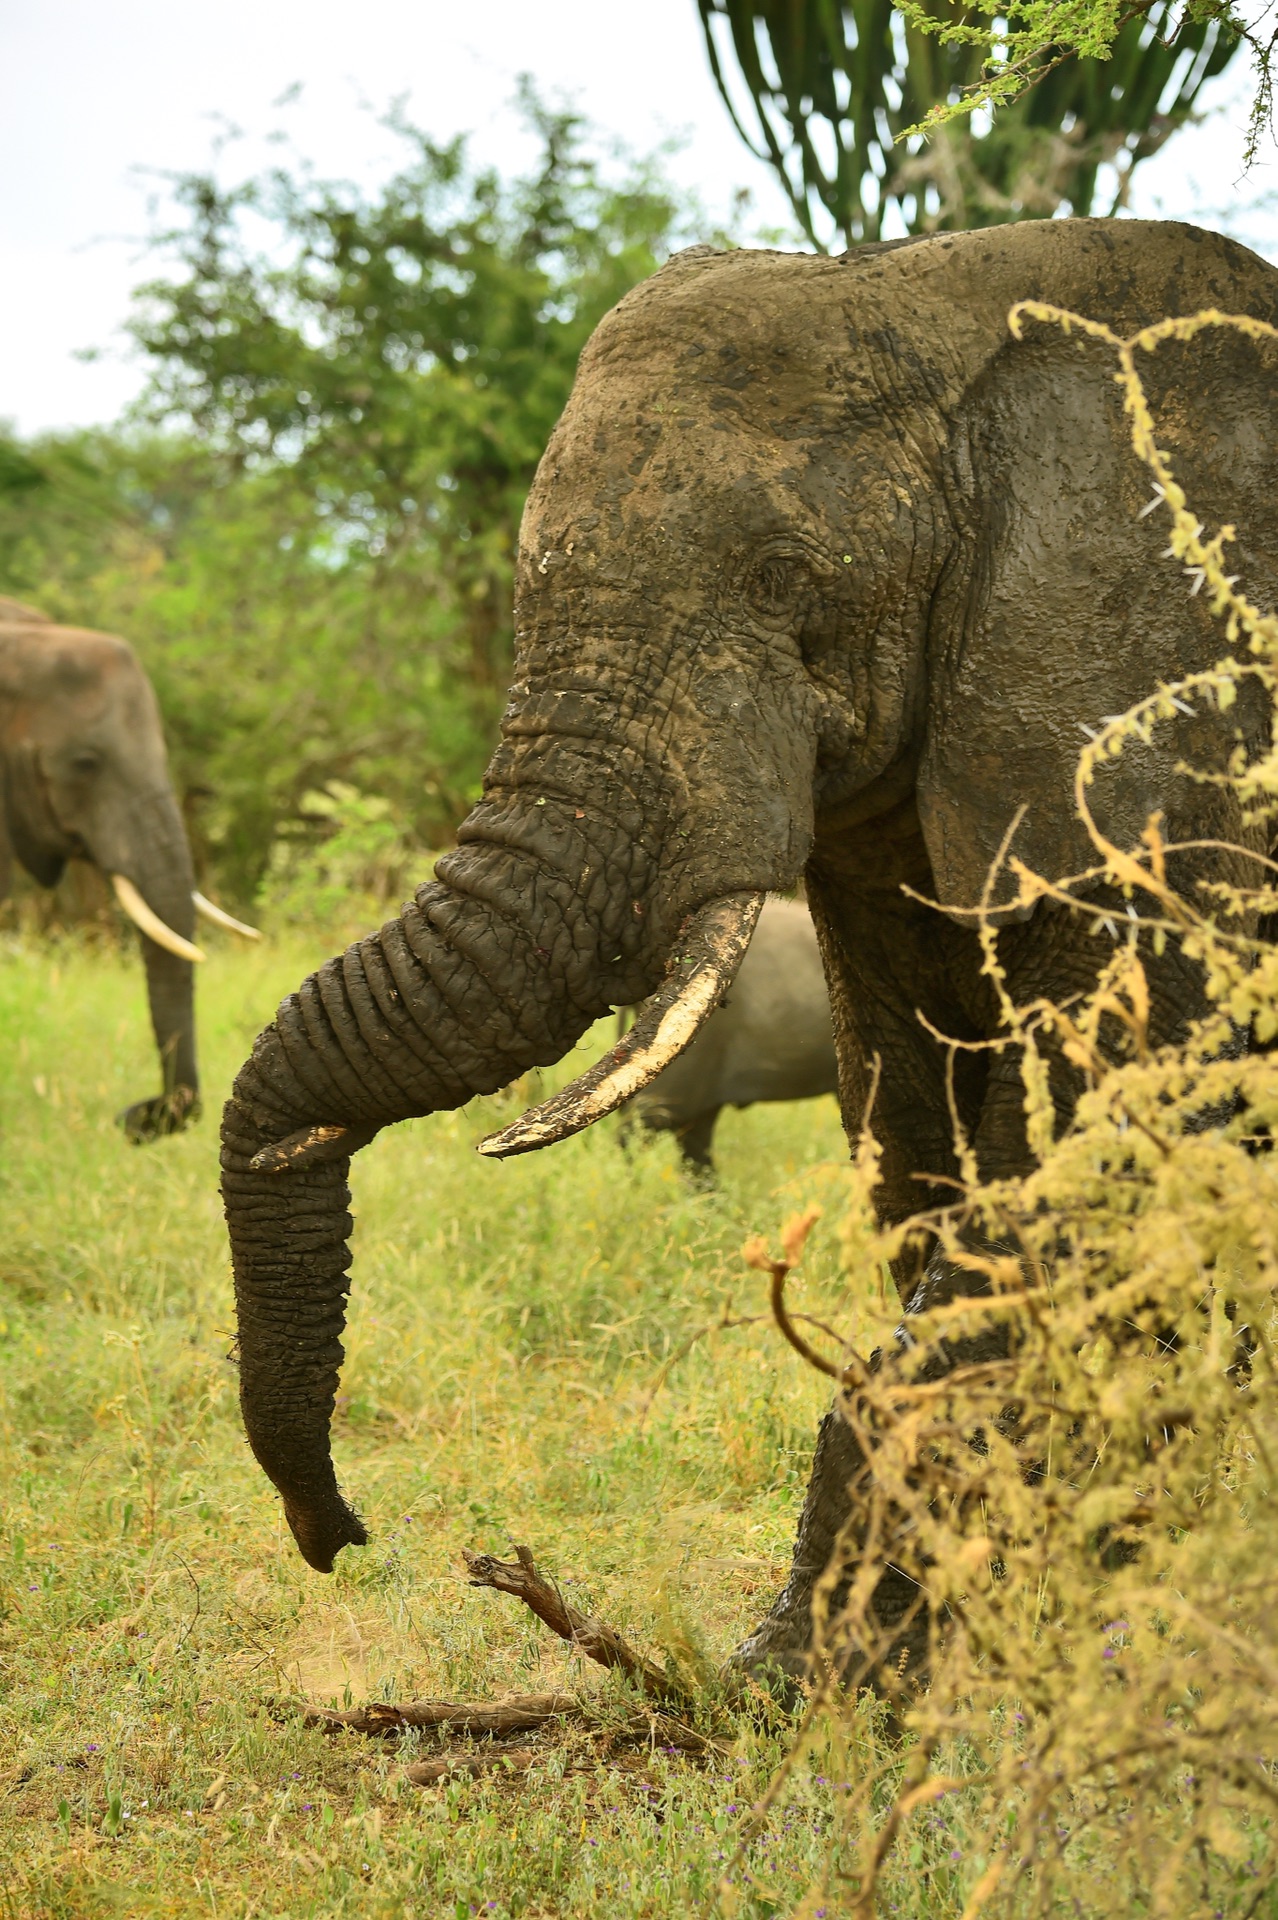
158	865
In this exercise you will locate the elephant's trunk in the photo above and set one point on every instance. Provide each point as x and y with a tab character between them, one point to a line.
499	965
159	867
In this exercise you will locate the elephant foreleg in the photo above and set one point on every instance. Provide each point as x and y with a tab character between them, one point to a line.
1054	956
834	1525
781	1646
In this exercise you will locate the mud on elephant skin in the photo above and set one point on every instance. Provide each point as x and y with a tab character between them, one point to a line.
771	1039
84	774
820	573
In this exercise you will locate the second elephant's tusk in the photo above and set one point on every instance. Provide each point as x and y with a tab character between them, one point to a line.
710	949
220	918
150	923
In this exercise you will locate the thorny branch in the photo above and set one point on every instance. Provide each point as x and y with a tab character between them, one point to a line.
1086	1514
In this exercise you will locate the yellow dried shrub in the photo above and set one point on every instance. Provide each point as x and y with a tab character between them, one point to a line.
1091	1521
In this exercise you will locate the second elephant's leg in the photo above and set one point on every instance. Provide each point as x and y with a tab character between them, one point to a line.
694	1141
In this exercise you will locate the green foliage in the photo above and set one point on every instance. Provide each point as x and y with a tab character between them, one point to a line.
273	670
411	355
18	473
311	541
844	97
344	848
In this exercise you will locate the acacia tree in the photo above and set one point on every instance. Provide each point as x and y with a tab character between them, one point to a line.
865	110
309	530
403	356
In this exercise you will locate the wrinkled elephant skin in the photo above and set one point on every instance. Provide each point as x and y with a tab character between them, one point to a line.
85	775
821	574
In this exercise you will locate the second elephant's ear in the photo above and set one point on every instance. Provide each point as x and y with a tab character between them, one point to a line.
6	848
25	803
1058	608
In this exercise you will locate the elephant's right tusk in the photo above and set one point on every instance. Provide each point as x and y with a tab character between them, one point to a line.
150	923
711	949
220	918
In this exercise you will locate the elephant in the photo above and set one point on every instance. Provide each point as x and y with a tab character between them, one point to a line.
85	774
772	1039
821	575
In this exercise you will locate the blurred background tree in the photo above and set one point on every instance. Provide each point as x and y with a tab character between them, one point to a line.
308	529
307	526
827	94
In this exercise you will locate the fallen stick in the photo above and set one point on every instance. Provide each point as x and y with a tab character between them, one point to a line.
591	1637
518	1713
427	1772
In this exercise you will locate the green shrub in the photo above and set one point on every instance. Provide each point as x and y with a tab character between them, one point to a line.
344	858
308	530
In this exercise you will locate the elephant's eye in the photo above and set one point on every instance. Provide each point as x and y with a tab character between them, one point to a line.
86	762
778	588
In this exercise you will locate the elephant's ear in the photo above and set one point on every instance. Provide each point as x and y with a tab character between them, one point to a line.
1059	608
24	802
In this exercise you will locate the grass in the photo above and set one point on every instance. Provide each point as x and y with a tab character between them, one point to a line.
521	1366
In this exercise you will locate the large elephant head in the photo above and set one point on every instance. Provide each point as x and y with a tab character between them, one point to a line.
807	546
85	775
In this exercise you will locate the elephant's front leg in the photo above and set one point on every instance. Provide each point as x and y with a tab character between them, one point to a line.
1051	955
835	1509
884	956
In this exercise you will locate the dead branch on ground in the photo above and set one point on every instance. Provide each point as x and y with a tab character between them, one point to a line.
427	1772
527	1712
516	1713
592	1637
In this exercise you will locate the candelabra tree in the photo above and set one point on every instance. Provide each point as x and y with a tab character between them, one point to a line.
947	117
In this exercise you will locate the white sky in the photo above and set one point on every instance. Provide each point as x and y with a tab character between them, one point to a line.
95	93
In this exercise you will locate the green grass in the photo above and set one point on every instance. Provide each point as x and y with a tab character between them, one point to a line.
508	1378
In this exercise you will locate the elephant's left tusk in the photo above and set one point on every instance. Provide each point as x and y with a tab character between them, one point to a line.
150	923
220	917
711	947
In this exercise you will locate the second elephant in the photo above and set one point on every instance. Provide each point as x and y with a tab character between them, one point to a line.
772	1039
84	774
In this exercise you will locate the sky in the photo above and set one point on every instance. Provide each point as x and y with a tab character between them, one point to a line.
101	101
